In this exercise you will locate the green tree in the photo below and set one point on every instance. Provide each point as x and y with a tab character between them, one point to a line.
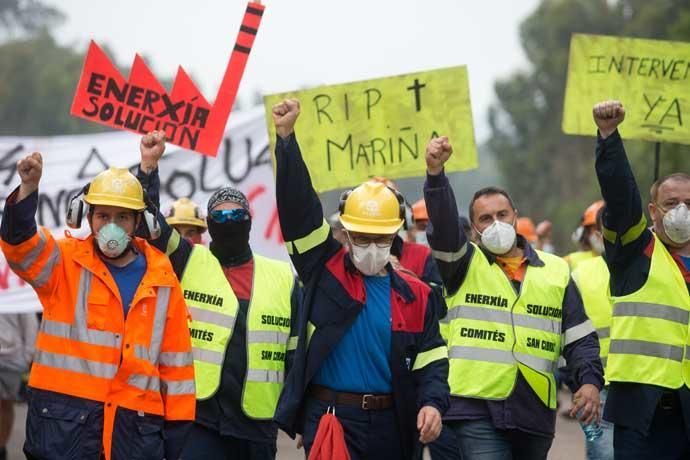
551	174
37	82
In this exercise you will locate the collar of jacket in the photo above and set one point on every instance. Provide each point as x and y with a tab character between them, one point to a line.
398	283
530	253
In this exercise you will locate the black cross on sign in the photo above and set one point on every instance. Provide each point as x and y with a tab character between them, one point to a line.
417	96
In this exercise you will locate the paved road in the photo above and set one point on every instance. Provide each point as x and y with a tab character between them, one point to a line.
568	445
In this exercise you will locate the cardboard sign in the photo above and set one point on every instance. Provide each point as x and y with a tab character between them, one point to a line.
351	132
650	77
141	104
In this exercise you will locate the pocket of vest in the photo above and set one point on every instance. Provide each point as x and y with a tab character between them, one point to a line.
99	310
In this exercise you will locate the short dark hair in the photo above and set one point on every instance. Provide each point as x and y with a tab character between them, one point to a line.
486	191
654	191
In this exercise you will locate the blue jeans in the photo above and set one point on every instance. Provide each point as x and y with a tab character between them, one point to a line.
369	434
446	446
479	440
602	448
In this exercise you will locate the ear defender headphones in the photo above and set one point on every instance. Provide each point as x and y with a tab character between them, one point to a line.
402	206
77	208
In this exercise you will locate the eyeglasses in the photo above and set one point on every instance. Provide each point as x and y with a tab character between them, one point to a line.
670	204
382	241
235	215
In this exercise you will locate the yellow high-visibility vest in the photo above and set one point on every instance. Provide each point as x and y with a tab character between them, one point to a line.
576	258
592	279
494	330
649	328
213	308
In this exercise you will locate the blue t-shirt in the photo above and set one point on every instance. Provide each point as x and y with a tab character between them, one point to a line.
128	278
686	261
360	361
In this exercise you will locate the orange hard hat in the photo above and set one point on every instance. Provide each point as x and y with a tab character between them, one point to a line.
419	211
525	227
590	215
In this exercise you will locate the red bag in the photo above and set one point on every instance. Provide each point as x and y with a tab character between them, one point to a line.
329	443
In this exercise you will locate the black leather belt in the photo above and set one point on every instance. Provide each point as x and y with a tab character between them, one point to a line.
361	400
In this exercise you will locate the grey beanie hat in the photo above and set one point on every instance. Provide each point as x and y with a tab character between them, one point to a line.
227	195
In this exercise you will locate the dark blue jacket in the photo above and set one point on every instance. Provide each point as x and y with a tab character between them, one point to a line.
334	294
629	245
522	409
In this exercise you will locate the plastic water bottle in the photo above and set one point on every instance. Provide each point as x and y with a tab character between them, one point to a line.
593	431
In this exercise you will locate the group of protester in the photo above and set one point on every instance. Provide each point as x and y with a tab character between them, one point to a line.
154	346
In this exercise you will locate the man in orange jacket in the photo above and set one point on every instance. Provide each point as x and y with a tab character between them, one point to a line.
113	374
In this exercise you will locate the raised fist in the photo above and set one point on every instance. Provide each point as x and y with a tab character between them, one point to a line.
30	170
437	153
608	115
152	147
284	117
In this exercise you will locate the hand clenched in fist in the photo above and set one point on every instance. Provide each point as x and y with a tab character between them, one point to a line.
438	151
30	170
284	117
152	148
608	115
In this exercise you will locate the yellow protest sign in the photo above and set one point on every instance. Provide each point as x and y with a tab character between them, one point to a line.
650	77
351	132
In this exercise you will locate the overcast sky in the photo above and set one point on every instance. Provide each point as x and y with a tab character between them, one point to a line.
308	43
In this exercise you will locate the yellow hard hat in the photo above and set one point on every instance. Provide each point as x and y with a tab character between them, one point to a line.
185	212
116	187
372	208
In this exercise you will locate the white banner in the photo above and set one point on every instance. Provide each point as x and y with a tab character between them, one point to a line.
243	161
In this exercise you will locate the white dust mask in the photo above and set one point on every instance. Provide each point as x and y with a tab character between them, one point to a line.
112	240
370	259
498	237
677	224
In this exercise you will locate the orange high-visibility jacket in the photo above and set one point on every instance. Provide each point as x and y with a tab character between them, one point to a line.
86	349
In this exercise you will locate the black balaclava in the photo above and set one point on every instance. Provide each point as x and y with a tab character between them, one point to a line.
229	240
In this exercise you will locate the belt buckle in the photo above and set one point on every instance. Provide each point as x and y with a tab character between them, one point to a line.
365	401
666	402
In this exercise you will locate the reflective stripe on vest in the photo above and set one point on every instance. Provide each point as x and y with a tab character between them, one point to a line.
213	307
78	332
153	355
493	331
649	328
31	258
268	333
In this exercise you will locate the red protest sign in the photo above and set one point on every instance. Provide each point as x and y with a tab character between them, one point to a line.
140	104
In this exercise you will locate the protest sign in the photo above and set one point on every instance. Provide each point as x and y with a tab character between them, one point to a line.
650	78
350	132
72	161
141	104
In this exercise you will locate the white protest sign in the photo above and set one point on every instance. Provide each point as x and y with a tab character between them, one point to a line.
243	161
